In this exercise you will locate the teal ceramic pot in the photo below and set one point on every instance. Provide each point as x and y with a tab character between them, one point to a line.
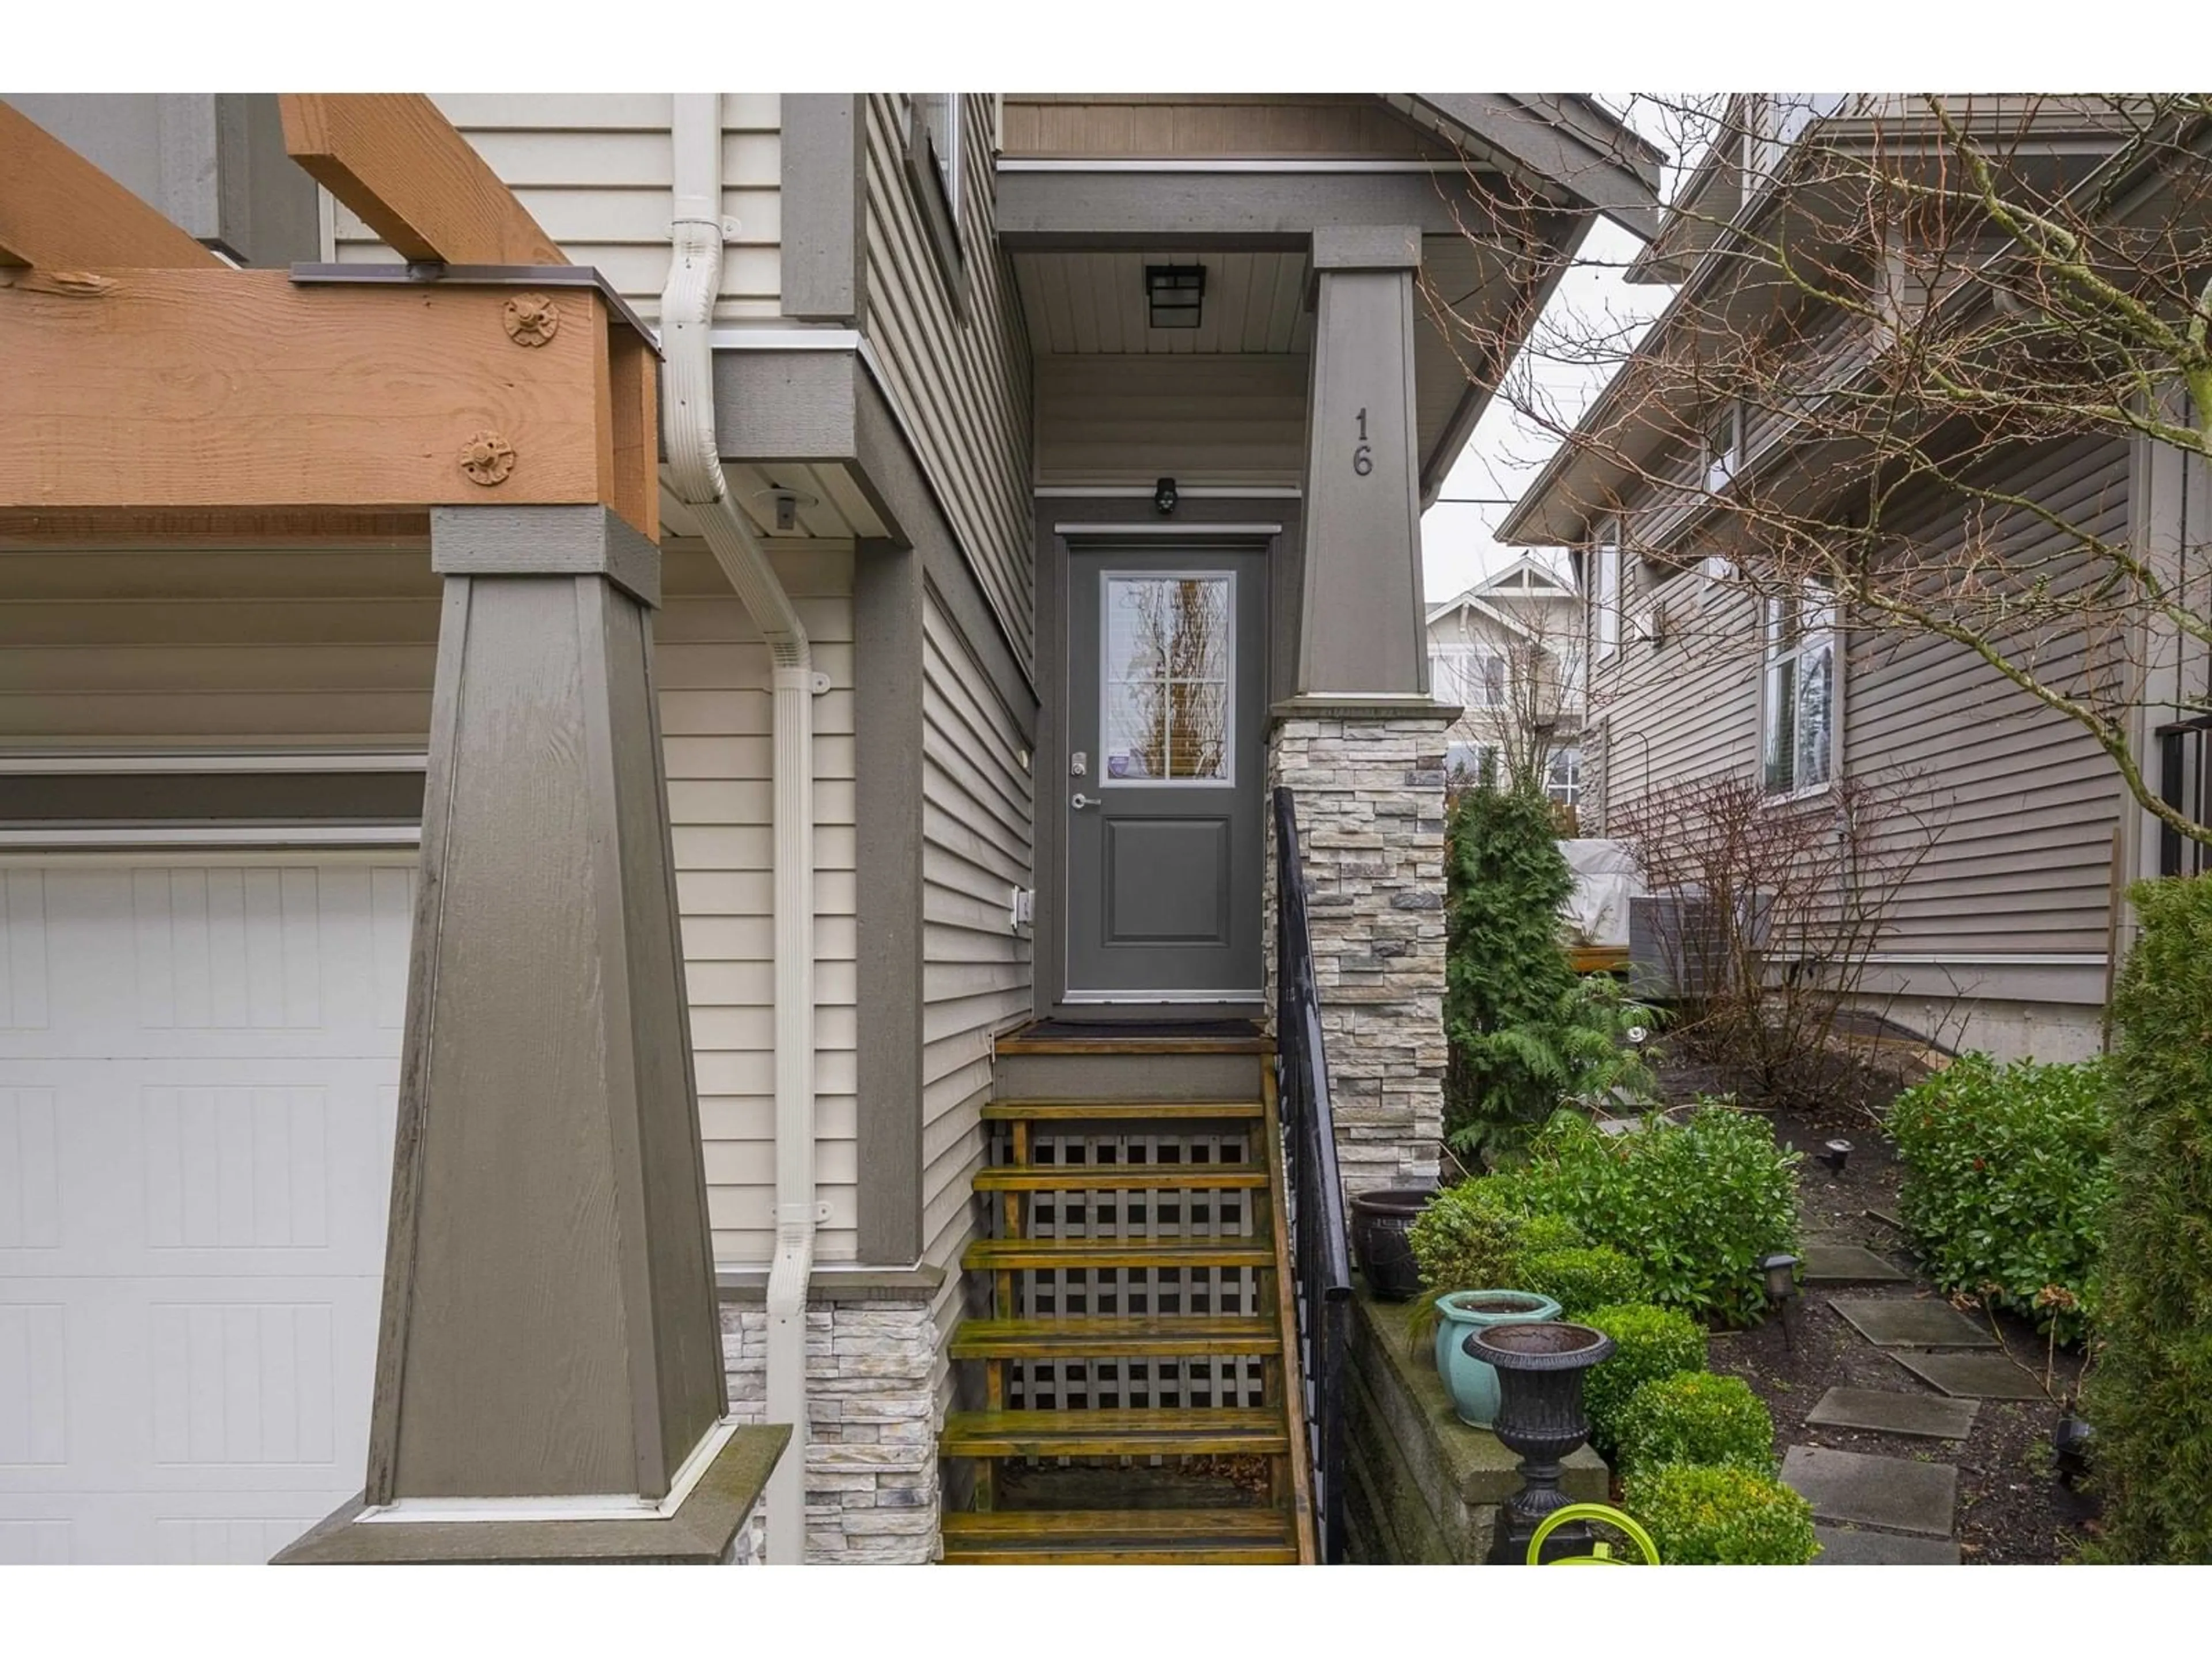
1474	1382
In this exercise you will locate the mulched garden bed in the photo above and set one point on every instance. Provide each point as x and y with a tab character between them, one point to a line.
2011	1508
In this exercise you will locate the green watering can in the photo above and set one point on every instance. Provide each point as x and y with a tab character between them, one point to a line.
1600	1553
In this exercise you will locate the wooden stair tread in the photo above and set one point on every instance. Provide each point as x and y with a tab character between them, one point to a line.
1123	1177
1167	1334
1010	1253
1136	1045
1117	1432
1119	1111
1225	1537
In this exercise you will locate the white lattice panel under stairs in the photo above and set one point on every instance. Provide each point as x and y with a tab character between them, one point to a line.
1080	1211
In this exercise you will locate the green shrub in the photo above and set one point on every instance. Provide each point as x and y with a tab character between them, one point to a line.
1695	1417
1703	1515
1693	1205
2150	1393
2008	1175
1468	1238
1649	1343
1580	1279
1526	1032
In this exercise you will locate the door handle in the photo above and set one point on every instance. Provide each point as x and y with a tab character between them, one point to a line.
1079	800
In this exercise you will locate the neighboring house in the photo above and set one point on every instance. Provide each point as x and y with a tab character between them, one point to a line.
2004	936
1509	652
1087	437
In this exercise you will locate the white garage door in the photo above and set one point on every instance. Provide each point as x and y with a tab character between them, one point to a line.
199	1065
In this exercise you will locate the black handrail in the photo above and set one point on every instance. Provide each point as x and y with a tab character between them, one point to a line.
2184	785
1321	1258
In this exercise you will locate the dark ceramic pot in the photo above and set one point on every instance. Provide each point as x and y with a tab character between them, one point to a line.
1540	1415
1380	1221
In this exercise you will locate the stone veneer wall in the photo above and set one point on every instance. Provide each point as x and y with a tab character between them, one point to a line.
1370	784
871	1363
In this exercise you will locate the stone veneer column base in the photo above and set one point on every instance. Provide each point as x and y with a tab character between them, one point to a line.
1369	777
872	1361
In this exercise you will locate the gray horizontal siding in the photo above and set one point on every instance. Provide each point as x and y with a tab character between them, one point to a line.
955	358
976	819
2029	800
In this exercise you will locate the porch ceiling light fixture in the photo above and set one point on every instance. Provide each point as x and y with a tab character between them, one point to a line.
1164	496
1175	294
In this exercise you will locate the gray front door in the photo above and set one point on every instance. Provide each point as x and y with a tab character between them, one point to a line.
1167	713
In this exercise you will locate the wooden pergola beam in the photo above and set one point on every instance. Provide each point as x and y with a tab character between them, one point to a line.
413	179
195	391
59	211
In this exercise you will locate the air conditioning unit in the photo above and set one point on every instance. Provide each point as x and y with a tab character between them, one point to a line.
1680	945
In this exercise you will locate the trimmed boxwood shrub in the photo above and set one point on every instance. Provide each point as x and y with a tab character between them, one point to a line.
1696	1417
1704	1515
1649	1343
2150	1394
1693	1205
1580	1279
2008	1175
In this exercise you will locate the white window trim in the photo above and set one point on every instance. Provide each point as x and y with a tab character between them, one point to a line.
1729	463
1467	663
1833	633
1605	588
1106	580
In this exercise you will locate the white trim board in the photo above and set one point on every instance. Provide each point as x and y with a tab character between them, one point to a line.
1094	164
583	1507
29	763
64	838
1145	492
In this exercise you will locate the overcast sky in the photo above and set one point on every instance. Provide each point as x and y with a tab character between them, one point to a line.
1507	451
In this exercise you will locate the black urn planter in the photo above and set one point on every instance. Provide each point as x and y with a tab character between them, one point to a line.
1380	1221
1539	1416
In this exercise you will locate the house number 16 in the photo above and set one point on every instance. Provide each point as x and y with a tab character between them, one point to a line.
1362	457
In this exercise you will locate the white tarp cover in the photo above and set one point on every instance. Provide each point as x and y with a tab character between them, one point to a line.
1605	880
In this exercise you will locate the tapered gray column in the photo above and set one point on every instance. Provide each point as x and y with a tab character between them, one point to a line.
549	1323
1361	622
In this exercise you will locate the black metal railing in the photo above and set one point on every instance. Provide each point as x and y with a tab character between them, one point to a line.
2184	786
1321	1257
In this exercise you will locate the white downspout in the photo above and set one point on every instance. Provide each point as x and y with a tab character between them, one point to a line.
687	312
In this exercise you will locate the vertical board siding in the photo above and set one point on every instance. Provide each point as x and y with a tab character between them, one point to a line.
977	811
2029	800
954	365
717	725
597	170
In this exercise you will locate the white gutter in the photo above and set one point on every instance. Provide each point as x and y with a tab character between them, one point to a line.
687	315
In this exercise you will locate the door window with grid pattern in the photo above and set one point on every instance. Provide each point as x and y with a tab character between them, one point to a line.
1167	668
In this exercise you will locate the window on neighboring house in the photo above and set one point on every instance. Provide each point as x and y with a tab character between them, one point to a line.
1563	776
1472	675
1723	444
1464	762
1608	593
1798	709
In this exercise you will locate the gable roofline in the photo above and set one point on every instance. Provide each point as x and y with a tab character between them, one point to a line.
1588	499
1561	584
1466	600
1555	144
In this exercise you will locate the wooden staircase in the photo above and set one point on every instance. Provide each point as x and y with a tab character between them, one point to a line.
1140	1395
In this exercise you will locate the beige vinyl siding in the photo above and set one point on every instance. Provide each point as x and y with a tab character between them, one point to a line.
1202	420
976	819
215	649
597	170
1220	124
1688	708
716	721
956	369
2030	800
338	646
